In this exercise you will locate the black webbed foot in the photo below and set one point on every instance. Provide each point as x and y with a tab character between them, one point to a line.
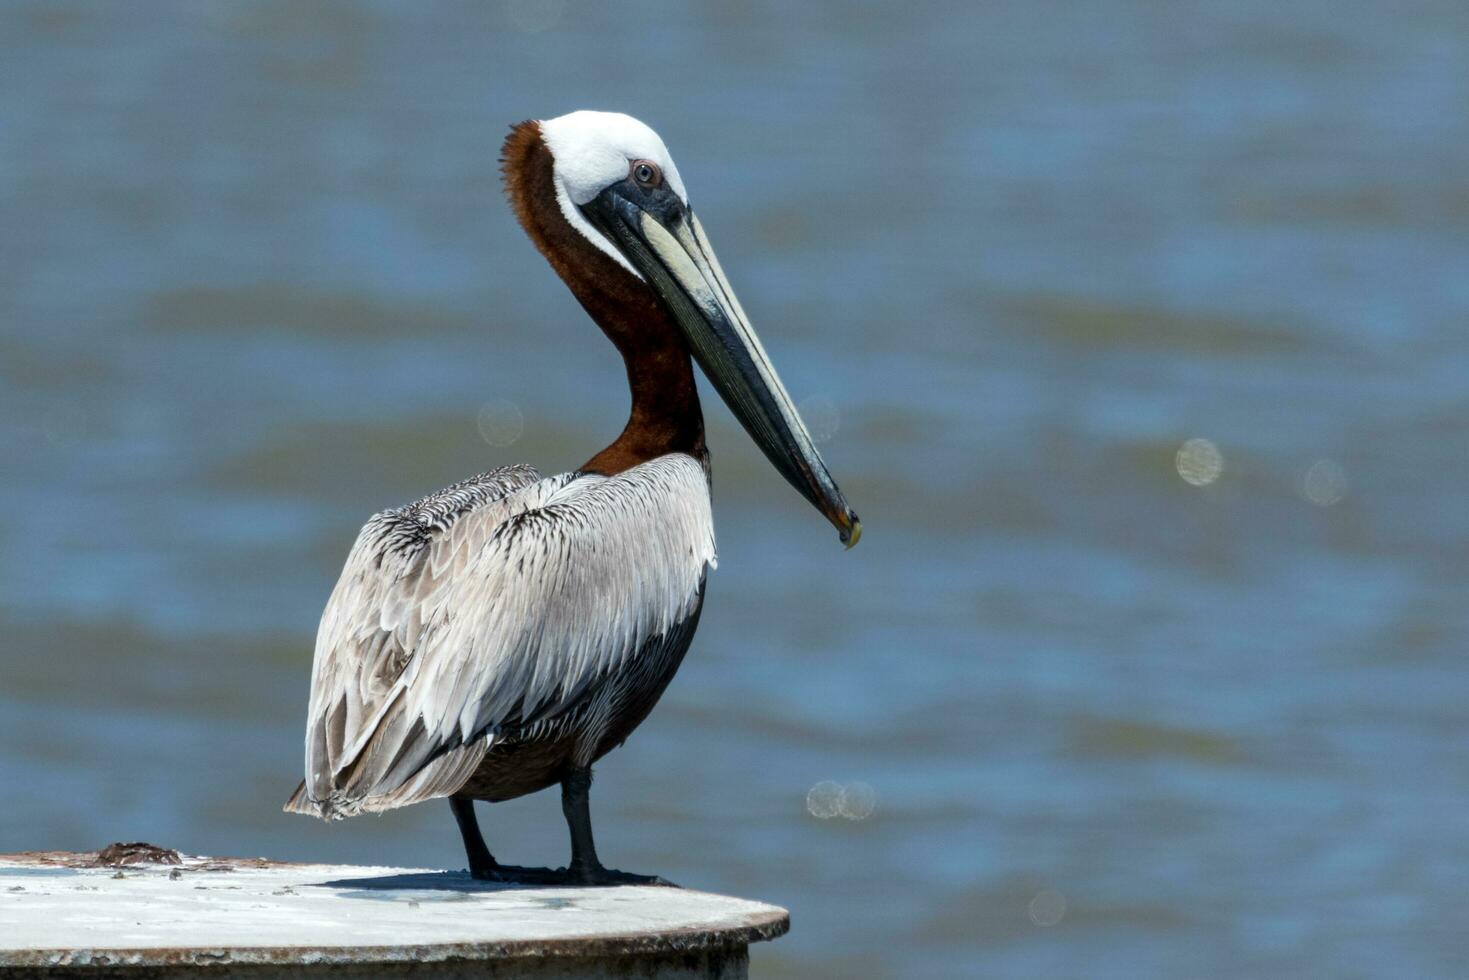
514	874
606	877
599	877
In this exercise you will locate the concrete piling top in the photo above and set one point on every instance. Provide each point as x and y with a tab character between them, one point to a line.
152	908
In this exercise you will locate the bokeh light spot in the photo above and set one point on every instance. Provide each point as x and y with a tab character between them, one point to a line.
500	422
1323	483
824	800
858	801
821	416
1047	908
1199	462
852	801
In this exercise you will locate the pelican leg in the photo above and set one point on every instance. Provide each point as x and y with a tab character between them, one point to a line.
585	869
482	864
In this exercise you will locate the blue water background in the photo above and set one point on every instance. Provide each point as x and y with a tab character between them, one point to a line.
257	281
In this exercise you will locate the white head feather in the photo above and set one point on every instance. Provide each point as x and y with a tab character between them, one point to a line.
590	152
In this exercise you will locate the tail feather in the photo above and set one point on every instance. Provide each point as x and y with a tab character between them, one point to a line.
303	804
441	777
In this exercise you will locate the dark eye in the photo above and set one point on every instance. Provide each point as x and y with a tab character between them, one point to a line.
645	172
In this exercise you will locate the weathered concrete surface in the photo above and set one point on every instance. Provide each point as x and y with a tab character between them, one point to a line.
257	918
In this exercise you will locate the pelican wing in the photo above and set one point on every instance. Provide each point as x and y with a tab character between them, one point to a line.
486	609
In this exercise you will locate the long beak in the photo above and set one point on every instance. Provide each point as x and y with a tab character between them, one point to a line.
673	254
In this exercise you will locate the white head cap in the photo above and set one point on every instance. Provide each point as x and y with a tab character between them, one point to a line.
590	152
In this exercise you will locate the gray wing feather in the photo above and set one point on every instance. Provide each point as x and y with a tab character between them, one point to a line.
373	622
488	608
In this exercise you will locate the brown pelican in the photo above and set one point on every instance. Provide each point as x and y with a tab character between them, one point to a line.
503	634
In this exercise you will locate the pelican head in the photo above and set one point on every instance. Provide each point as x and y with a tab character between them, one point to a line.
617	185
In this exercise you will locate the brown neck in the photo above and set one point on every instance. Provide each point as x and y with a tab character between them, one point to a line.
665	416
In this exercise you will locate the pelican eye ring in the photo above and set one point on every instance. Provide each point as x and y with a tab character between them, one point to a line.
646	172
